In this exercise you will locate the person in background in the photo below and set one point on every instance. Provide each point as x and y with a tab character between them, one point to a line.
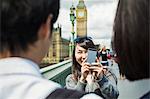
103	54
25	36
89	78
131	44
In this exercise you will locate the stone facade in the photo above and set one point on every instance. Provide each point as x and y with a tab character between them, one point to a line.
59	49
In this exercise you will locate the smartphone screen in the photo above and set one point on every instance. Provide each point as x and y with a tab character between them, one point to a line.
91	55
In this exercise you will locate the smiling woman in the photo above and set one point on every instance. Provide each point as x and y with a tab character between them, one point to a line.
87	77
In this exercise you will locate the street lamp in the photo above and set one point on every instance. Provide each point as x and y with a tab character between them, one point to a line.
72	19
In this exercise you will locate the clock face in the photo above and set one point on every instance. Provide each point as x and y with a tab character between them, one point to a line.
80	14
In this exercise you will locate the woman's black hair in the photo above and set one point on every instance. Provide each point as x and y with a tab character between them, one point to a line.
131	38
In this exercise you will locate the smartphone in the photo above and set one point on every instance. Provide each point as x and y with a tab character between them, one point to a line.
91	55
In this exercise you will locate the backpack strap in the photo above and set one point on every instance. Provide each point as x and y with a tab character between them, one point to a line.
65	94
146	96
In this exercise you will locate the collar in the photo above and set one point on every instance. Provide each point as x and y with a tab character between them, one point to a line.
14	65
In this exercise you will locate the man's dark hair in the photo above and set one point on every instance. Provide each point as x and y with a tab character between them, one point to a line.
20	21
131	38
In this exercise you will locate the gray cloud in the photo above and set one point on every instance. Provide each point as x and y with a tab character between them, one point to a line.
100	18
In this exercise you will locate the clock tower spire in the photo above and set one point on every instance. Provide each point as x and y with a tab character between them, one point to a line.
81	18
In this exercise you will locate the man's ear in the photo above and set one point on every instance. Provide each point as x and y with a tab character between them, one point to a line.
45	28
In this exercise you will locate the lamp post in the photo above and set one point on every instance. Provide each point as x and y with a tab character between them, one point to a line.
72	19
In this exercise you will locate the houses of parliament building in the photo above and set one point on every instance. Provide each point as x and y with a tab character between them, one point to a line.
59	49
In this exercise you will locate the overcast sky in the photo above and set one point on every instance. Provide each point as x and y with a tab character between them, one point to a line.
101	15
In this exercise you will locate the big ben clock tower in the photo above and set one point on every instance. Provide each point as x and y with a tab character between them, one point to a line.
81	18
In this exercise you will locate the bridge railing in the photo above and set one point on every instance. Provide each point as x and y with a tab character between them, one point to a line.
57	72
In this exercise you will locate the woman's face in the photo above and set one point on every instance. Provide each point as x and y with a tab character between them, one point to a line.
80	54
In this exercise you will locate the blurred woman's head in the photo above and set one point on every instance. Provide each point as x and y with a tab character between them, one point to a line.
104	48
131	38
80	52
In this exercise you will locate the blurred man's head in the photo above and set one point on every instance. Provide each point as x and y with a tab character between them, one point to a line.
26	27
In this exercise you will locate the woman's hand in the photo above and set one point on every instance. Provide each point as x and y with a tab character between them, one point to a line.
90	78
84	71
97	70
